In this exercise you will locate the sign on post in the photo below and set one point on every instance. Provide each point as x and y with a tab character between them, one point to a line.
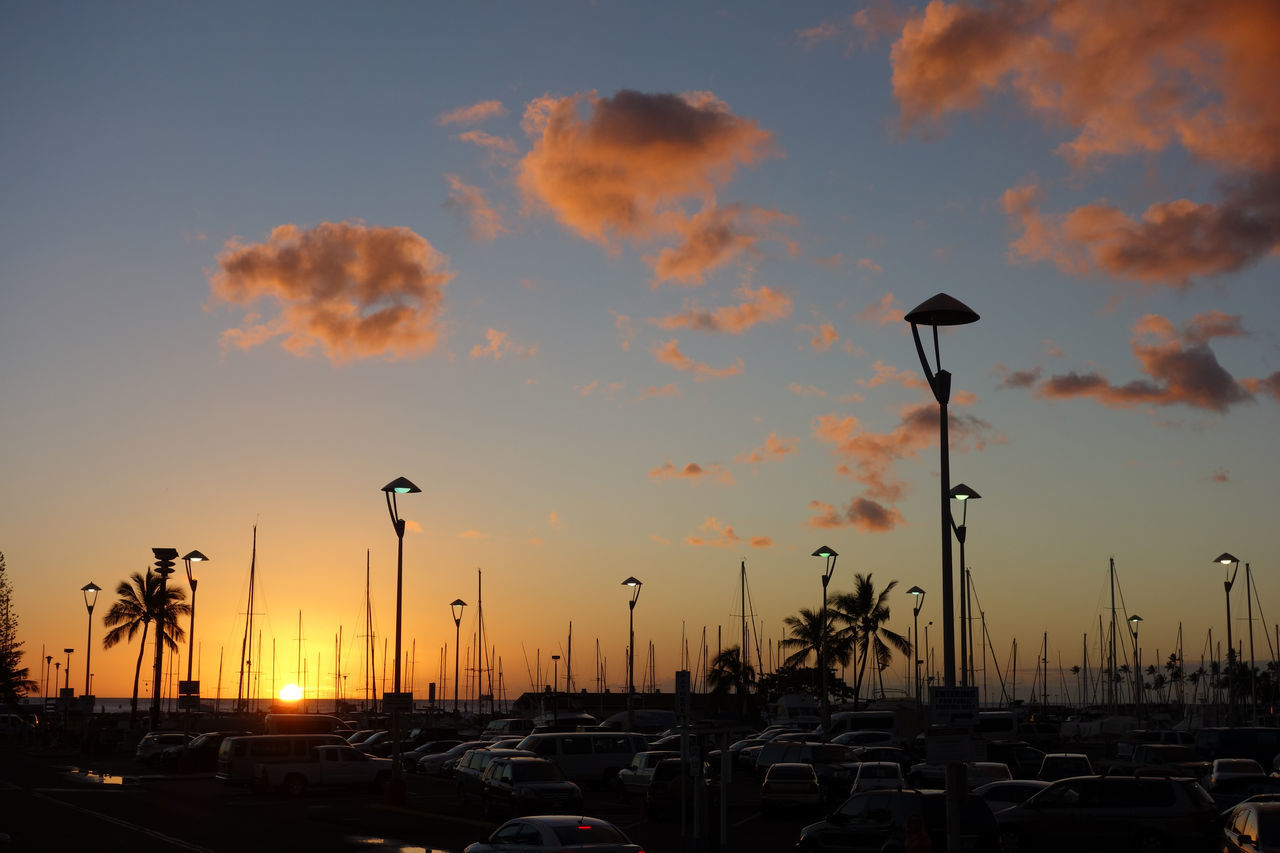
953	706
684	704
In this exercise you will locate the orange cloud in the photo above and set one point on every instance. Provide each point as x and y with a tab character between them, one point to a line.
668	352
498	344
806	390
824	335
1136	77
554	519
349	290
485	221
718	535
761	305
883	312
887	373
626	167
1180	369
668	390
626	331
760	542
653	537
476	113
693	472
607	390
774	448
862	513
1220	476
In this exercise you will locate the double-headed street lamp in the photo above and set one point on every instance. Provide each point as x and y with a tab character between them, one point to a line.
1137	665
192	580
964	494
455	607
828	569
944	310
398	486
631	652
90	592
163	568
918	595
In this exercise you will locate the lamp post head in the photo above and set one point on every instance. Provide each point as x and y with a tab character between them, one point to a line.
829	555
195	557
90	591
941	310
635	586
401	486
555	657
964	493
1226	559
456	607
917	593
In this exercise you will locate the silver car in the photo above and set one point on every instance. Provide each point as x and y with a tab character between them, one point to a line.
556	832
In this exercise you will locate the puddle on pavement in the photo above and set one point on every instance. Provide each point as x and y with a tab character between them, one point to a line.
89	777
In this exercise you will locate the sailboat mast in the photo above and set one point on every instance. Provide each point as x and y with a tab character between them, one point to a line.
245	649
1111	653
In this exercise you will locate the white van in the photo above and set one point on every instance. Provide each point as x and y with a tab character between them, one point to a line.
593	758
239	756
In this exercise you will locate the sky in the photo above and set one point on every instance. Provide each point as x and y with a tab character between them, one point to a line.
620	286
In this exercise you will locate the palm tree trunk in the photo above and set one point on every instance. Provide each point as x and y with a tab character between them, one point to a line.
137	671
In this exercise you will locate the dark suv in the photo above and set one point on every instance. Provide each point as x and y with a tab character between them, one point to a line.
1123	813
876	822
521	784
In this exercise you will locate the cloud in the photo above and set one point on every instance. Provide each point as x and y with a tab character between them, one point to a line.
883	312
806	390
1016	378
476	113
1132	78
347	289
631	167
484	220
693	472
606	390
497	344
1269	386
626	331
653	537
1220	476
668	390
862	513
773	449
718	535
412	526
1179	367
887	373
473	534
760	542
761	305
554	519
824	335
668	352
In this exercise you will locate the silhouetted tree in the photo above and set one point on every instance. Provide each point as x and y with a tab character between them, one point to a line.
135	609
865	613
14	683
808	635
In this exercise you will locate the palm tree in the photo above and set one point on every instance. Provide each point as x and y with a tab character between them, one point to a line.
135	609
809	635
865	613
729	672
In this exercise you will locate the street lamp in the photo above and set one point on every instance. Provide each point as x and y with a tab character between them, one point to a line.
631	652
1229	579
68	652
164	568
555	687
943	310
455	607
918	594
964	494
830	567
398	486
188	559
90	592
1137	666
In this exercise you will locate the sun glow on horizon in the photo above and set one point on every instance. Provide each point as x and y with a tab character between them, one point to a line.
290	693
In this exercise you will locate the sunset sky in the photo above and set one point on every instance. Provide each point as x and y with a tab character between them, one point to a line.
620	286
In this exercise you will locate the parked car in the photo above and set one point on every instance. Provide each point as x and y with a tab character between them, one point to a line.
876	821
1224	769
758	758
328	766
434	763
924	775
662	797
634	778
1252	827
1231	792
468	773
1163	759
153	743
1113	813
508	727
198	755
409	760
556	832
869	737
361	735
872	775
525	784
1022	759
1064	765
791	786
1009	792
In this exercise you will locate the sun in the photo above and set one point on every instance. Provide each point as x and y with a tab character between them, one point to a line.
291	693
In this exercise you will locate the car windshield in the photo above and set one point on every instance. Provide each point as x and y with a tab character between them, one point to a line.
790	771
879	771
536	773
589	833
1238	765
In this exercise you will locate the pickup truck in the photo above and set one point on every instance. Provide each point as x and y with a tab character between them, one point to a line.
329	766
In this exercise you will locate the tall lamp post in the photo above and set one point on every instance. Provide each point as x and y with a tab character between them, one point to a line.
1137	666
631	652
164	568
964	494
90	592
1229	579
829	569
68	653
398	486
455	607
192	580
918	595
944	310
